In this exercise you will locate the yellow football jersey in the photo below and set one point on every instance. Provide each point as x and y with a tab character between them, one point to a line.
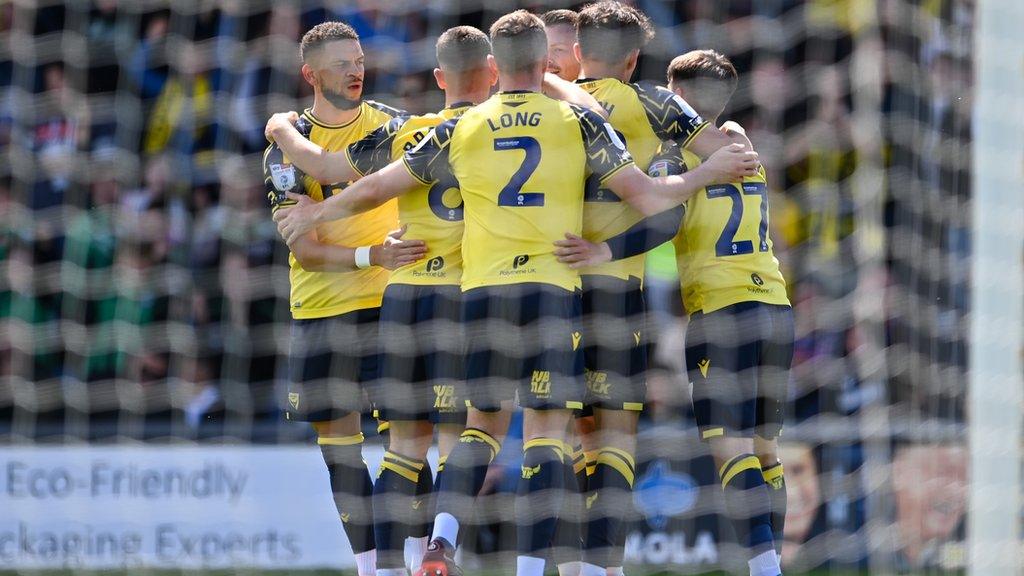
643	115
323	294
723	249
521	160
433	213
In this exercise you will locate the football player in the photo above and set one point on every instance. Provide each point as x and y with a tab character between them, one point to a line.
739	343
421	343
610	38
337	279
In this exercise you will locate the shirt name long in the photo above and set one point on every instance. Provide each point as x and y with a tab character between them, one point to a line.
508	120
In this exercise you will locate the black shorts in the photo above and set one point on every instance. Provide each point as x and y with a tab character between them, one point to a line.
329	362
525	339
738	359
615	353
422	354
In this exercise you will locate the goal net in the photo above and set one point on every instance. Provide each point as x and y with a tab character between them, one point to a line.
144	299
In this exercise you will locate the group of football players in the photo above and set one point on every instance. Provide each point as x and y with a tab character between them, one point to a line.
447	266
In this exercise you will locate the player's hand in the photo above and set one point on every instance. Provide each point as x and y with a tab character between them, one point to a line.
738	134
578	252
279	122
730	163
395	252
295	220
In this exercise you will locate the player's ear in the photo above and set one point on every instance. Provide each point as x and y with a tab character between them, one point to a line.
309	75
492	63
632	59
439	78
678	88
492	71
577	52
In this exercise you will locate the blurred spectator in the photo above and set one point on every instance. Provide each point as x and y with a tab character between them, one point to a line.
142	306
108	33
56	134
159	199
34	321
87	277
269	80
179	97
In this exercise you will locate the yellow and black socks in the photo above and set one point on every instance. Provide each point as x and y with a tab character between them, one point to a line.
539	496
748	506
568	541
394	507
609	502
773	477
461	479
579	468
424	505
590	462
352	488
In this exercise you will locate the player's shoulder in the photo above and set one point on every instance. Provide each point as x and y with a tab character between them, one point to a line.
649	91
380	108
588	119
274	155
657	98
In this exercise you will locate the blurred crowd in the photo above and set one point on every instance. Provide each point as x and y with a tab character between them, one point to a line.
144	289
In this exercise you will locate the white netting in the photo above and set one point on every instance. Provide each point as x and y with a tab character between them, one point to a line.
144	298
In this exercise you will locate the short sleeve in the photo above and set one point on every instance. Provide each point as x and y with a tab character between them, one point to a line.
373	152
280	177
671	118
428	161
606	153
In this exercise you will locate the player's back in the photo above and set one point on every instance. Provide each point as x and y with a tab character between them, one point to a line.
723	249
433	213
643	115
321	294
520	160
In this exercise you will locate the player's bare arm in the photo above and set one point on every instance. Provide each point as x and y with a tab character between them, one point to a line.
392	253
653	195
366	194
326	167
